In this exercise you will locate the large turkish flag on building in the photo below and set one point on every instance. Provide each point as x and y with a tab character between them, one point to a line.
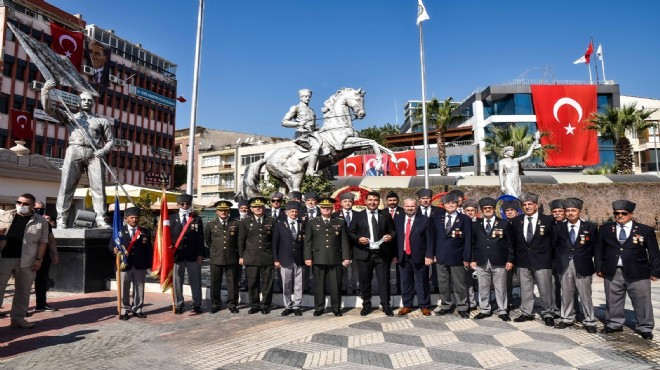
406	165
563	111
68	43
351	166
21	124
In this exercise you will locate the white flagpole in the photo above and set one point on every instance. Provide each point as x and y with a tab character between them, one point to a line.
193	108
424	131
602	60
589	68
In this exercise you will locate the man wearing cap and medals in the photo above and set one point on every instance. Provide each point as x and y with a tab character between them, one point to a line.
574	263
627	257
139	252
326	249
492	257
533	239
187	233
221	237
276	210
350	282
311	209
288	236
255	250
557	211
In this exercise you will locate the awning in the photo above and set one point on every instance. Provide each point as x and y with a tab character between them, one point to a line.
135	192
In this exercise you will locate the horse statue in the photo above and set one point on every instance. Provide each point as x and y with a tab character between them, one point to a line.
337	135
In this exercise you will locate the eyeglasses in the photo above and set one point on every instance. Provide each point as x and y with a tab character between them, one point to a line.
184	204
19	203
621	213
275	201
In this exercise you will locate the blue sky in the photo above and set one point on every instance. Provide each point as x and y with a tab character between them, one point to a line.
256	54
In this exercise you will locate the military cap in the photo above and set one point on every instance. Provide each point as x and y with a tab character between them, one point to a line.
458	193
132	211
487	202
311	195
276	195
326	202
572	203
557	203
184	198
623	204
257	202
223	205
295	195
392	194
347	195
470	204
292	204
529	197
449	197
424	193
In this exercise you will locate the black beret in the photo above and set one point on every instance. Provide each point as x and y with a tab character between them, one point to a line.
132	211
511	204
458	192
311	195
292	204
184	198
295	195
470	203
449	197
487	202
557	203
623	204
572	203
392	194
529	197
347	195
242	203
424	193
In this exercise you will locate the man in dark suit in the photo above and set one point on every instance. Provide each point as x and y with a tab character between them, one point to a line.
350	282
533	241
288	237
276	210
557	211
221	236
326	249
187	234
492	257
139	247
311	208
425	197
415	248
255	251
574	263
627	257
372	231
453	253
396	212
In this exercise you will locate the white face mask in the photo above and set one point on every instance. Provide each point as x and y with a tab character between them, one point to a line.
22	210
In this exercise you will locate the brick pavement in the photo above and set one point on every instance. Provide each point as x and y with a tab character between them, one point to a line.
86	334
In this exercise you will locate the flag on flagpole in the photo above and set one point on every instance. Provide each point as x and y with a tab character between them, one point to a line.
422	15
117	225
68	43
599	52
163	261
587	55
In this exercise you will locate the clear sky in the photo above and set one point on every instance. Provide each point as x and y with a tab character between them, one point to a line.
257	54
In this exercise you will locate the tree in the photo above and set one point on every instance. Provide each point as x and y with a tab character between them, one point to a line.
317	184
439	115
518	138
180	175
614	124
378	134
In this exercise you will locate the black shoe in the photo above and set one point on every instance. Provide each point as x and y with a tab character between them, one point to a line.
608	330
590	329
388	311
297	312
233	309
504	317
254	310
124	317
444	311
482	315
47	307
645	334
523	318
178	310
549	321
197	309
139	315
3	314
357	291
318	312
464	314
344	292
265	311
563	325
365	311
215	309
287	312
337	313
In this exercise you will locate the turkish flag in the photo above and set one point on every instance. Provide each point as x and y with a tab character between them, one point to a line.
68	43
163	261
406	166
21	124
370	162
351	166
564	111
590	50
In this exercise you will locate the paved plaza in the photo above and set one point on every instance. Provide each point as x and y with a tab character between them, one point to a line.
86	334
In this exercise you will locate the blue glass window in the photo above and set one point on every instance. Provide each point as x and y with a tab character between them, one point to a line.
454	161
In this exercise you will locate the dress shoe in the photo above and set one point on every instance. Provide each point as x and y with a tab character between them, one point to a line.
318	312
404	311
645	334
139	315
426	312
482	315
549	321
21	323
357	291
504	317
590	329
365	311
287	312
464	314
608	330
45	308
254	310
3	315
297	312
337	313
563	325
123	317
178	310
388	311
523	318
233	309
265	311
444	311
197	309
344	292
215	309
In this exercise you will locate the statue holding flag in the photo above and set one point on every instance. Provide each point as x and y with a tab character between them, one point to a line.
509	168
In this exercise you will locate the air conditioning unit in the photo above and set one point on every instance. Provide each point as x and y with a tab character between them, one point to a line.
126	143
118	142
114	79
88	70
120	82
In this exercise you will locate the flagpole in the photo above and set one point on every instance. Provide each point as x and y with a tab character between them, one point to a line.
602	60
193	109
595	63
425	134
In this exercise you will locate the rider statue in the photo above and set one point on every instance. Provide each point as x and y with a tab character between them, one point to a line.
303	118
509	168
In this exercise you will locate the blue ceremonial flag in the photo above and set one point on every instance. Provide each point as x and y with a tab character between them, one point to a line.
117	226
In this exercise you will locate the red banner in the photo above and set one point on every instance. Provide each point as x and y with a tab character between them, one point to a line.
563	111
351	166
68	43
21	124
406	165
371	167
163	261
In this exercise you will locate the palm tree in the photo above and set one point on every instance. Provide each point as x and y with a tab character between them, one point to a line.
614	124
440	116
518	138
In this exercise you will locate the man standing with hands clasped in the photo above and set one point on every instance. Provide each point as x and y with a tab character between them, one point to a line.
288	236
221	236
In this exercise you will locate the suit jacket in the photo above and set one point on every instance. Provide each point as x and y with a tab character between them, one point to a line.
455	247
639	254
360	228
192	243
434	210
326	244
399	213
222	241
255	244
495	247
281	215
141	254
582	252
286	250
422	238
304	213
538	254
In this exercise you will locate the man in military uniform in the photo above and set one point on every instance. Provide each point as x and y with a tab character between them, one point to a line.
255	250
221	236
303	118
187	234
139	247
288	236
326	249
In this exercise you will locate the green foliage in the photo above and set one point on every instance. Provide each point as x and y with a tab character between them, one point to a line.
268	187
378	134
319	184
180	174
605	169
439	116
146	215
517	137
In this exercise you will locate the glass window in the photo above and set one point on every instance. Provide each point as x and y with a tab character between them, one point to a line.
523	103
211	161
454	161
467	160
604	101
251	158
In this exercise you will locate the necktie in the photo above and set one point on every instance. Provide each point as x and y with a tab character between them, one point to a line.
275	214
348	218
392	212
293	229
622	235
407	242
374	225
224	224
488	227
259	222
326	220
426	212
530	229
448	225
572	234
311	214
184	219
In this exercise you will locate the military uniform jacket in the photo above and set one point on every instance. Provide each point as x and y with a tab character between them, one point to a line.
192	243
222	241
255	244
454	247
141	254
495	247
538	254
639	254
326	244
582	252
360	228
286	250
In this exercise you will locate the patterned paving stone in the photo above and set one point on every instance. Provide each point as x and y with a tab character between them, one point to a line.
548	336
512	338
349	337
473	337
539	355
382	354
542	345
445	356
495	357
429	323
285	357
578	356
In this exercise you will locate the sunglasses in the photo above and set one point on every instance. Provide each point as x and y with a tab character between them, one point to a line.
19	203
275	201
621	213
184	204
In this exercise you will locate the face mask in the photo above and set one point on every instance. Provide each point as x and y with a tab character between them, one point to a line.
22	210
40	211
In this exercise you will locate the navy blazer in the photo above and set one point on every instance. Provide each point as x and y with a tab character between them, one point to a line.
538	254
582	252
141	254
360	228
435	210
281	215
495	247
639	254
192	243
285	249
455	247
422	238
399	213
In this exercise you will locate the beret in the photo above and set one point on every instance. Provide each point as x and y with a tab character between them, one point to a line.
623	204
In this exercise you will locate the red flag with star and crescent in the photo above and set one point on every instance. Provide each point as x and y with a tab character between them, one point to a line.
68	43
564	111
406	164
350	166
21	124
163	261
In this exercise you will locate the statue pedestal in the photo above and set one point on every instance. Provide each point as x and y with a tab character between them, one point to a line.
85	260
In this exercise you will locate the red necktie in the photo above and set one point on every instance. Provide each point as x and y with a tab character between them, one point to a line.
392	212
407	242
